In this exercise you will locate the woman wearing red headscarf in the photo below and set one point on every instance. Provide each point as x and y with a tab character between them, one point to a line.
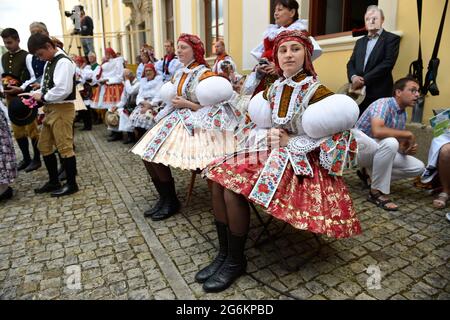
286	15
191	130
110	78
142	118
291	163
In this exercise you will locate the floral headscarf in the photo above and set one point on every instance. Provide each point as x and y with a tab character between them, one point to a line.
301	37
197	46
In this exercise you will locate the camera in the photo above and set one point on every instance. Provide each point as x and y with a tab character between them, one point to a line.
75	16
226	66
263	62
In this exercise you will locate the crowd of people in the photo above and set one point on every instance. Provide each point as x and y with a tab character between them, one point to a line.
284	149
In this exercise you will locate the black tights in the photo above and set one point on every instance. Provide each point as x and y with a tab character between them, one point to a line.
231	208
158	171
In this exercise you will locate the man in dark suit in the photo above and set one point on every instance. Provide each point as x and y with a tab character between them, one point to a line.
373	59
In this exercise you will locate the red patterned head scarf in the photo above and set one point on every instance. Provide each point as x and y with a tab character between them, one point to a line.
80	60
111	52
149	66
301	37
197	46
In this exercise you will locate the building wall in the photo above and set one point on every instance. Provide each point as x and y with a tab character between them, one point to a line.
331	66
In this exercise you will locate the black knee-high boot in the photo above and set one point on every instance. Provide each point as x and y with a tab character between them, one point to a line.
36	162
23	146
162	198
70	166
87	119
52	168
233	267
210	270
171	204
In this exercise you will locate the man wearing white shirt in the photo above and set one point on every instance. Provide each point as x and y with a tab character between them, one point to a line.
57	93
169	64
221	57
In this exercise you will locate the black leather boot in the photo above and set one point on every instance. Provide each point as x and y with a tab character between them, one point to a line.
36	162
208	271
162	198
171	205
116	136
52	168
129	139
7	194
87	119
23	146
233	267
70	166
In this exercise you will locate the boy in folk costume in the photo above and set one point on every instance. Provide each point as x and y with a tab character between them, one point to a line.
57	93
18	64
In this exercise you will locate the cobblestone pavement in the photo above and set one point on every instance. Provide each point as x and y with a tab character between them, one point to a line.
121	255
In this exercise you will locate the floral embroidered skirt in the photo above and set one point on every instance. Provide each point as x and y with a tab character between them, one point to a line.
320	204
185	151
8	165
107	96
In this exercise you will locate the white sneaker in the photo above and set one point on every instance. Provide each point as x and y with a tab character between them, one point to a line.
428	175
448	216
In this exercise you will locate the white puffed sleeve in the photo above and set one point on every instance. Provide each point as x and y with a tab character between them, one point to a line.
260	112
331	115
167	93
213	90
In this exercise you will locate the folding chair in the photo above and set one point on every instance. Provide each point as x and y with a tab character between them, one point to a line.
194	174
271	238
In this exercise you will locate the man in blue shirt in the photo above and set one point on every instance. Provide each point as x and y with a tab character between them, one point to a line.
385	122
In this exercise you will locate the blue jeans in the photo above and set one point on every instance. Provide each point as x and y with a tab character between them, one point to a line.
88	45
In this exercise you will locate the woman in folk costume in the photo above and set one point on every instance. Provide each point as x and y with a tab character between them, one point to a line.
194	127
145	59
84	74
286	18
142	117
8	166
291	164
110	79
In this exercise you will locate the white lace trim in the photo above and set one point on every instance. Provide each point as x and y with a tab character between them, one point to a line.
293	103
273	30
303	144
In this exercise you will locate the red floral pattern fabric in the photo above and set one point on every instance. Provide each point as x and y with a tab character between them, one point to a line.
320	204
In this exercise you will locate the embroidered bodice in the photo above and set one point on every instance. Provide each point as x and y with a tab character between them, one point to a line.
288	99
187	79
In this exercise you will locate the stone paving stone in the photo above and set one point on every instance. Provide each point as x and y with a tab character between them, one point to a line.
98	230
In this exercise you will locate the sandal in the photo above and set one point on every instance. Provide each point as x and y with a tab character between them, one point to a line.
441	201
375	199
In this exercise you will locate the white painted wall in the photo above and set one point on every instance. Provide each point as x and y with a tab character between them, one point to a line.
186	16
255	17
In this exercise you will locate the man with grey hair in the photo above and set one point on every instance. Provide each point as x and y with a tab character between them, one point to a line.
373	59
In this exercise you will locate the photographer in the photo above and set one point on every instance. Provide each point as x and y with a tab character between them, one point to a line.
83	26
87	30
